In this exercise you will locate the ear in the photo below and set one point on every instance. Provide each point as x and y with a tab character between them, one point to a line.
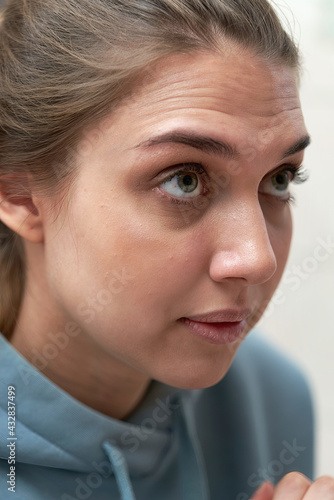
18	209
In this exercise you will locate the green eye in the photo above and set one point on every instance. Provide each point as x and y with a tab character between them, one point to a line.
187	182
278	184
281	181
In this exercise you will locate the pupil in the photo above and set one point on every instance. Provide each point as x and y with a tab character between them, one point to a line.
281	181
188	182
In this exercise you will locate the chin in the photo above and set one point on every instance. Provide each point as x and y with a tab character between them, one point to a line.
197	376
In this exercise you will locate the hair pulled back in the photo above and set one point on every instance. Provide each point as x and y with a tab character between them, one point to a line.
65	64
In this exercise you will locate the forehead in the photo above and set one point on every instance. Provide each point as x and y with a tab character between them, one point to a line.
235	93
236	73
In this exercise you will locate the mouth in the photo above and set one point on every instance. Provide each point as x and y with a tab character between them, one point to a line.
218	327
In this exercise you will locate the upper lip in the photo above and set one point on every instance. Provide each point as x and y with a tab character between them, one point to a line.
225	316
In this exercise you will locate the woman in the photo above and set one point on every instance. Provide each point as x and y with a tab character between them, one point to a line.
147	151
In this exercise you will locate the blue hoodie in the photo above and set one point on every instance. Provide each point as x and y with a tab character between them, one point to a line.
218	443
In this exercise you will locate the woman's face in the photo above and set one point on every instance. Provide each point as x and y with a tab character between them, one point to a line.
179	224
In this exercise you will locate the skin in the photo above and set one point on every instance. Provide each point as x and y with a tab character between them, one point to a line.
226	250
295	486
161	260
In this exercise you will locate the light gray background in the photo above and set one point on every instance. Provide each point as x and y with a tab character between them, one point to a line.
301	320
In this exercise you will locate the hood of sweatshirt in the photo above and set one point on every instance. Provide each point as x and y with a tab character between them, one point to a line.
57	440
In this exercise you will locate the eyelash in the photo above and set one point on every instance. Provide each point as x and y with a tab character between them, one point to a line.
299	176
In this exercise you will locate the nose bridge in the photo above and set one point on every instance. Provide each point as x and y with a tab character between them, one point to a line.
246	251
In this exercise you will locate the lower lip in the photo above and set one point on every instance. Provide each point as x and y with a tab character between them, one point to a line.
216	333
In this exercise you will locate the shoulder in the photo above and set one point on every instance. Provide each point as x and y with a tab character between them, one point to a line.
265	382
273	390
257	422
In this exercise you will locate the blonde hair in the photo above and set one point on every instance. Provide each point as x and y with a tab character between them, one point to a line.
65	64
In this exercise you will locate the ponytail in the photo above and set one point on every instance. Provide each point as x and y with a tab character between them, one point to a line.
12	277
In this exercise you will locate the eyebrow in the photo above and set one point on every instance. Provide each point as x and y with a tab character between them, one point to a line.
298	146
201	142
212	146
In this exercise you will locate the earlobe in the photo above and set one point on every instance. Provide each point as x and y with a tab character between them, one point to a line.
21	215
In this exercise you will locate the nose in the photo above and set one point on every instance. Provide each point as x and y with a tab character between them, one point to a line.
243	249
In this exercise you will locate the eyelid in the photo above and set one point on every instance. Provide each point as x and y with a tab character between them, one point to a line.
298	175
282	168
298	171
169	172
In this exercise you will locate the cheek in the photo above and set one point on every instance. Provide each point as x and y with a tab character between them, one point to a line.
121	267
280	238
164	265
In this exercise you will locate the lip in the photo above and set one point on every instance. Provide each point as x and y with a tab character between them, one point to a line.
218	327
224	316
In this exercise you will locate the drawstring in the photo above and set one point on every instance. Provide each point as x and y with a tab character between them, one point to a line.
121	472
190	459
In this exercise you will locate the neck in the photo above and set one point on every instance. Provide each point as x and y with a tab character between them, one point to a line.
78	366
72	360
